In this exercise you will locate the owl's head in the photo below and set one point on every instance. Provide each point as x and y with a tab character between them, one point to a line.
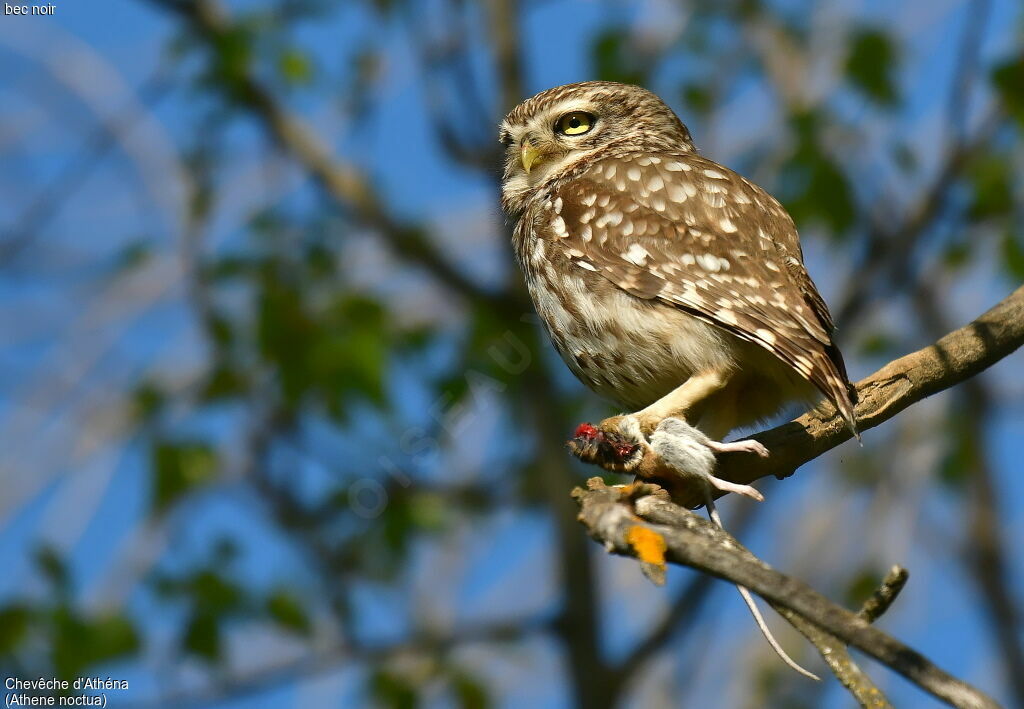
551	134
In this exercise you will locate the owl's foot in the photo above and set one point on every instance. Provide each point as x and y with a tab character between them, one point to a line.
678	457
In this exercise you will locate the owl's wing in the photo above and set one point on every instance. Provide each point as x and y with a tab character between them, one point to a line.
684	230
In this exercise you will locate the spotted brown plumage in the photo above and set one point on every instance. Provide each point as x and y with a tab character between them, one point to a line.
651	265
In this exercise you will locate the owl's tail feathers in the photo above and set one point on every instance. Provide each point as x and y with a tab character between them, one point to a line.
838	388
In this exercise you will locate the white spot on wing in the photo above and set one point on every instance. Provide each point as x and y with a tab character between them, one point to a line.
727	316
636	254
709	262
558	225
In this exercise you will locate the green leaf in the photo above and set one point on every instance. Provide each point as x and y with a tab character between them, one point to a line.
81	642
698	98
428	511
15	619
613	60
223	382
957	254
814	187
295	66
148	401
133	255
1013	255
53	568
202	637
470	692
992	187
232	56
215	594
179	467
862	585
877	344
961	455
391	690
1008	79
871	65
286	610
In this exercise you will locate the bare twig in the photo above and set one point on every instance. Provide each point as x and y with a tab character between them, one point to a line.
613	515
839	660
885	594
834	652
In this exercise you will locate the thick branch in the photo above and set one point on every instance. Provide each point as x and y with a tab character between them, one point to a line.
954	358
613	519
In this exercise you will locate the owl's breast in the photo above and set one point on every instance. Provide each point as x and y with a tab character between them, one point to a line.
627	349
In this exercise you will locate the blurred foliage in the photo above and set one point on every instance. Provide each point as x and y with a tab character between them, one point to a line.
52	637
872	65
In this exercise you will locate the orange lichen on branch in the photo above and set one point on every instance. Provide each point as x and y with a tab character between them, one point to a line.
650	549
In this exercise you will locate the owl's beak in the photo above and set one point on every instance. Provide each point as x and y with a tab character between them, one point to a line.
530	156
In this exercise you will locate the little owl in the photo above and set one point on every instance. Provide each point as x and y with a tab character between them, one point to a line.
668	283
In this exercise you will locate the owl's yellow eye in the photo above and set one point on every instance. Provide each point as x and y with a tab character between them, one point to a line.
575	123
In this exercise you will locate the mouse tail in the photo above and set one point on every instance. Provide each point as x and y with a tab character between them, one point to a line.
758	618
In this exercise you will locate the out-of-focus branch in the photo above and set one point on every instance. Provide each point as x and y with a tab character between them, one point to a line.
426	643
44	207
889	247
344	182
890	244
985	553
504	27
614	516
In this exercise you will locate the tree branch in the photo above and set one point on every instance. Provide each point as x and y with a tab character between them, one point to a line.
614	516
884	595
835	653
951	360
